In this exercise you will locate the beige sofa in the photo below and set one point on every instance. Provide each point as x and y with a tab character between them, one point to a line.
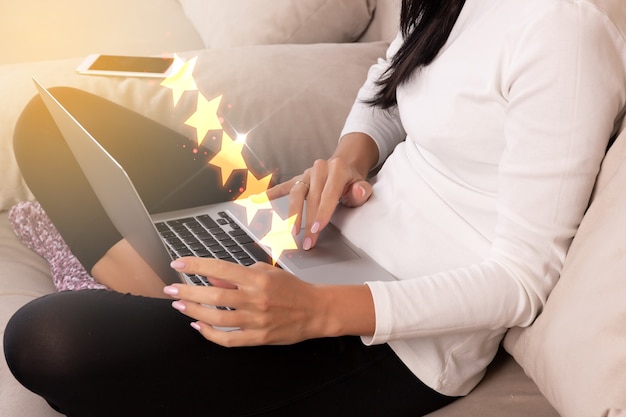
291	71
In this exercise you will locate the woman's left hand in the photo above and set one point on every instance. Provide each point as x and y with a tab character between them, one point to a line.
268	305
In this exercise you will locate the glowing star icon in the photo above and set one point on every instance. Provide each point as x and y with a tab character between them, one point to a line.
254	197
280	238
253	204
205	118
182	80
229	158
255	186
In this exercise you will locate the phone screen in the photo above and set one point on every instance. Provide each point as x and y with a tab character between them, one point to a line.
131	64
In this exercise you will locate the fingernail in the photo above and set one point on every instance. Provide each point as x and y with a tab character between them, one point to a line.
306	245
178	264
170	290
315	228
195	325
362	191
178	305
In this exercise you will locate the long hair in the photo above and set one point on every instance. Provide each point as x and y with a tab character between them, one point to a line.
425	26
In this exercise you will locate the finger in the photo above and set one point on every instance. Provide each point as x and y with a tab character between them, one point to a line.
220	283
237	338
282	189
335	187
337	178
214	335
357	194
318	177
261	266
213	268
297	196
210	315
208	296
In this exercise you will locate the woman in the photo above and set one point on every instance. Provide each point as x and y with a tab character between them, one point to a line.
488	121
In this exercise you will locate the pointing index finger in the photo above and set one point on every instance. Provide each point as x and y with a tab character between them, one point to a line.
280	190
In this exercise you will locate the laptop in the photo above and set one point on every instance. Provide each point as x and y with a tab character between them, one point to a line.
218	230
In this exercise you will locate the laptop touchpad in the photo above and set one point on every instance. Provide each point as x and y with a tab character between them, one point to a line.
330	248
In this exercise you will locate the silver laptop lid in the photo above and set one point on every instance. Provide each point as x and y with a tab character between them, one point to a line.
114	189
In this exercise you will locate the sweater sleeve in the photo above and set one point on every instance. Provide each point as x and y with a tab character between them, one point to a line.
564	83
382	125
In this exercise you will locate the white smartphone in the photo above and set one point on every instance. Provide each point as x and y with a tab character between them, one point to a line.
128	66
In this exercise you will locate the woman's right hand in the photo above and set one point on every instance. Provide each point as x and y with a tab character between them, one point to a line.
340	179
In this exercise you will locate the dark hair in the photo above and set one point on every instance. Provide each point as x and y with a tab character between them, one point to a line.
425	26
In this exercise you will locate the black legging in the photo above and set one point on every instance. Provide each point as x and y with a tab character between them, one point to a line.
102	353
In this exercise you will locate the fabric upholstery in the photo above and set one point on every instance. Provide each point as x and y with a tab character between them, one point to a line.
576	349
280	95
251	22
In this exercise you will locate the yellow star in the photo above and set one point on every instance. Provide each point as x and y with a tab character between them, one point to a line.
205	118
255	186
182	80
253	204
229	158
280	238
254	197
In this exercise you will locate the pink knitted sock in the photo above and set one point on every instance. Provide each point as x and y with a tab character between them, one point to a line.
34	228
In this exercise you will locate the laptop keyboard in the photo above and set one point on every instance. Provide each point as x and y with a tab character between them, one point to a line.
207	237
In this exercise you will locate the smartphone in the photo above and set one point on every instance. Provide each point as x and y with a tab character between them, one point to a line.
128	66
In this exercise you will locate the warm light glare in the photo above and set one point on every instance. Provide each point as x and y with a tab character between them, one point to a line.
241	137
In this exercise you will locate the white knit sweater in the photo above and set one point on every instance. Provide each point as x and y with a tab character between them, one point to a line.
492	156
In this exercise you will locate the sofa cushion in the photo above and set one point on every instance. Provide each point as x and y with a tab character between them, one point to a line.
504	391
24	276
33	30
23	272
250	22
290	99
576	349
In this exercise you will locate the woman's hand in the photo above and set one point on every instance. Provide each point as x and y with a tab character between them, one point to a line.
322	186
340	179
269	306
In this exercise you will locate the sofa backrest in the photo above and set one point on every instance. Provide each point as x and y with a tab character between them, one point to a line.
35	30
385	22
